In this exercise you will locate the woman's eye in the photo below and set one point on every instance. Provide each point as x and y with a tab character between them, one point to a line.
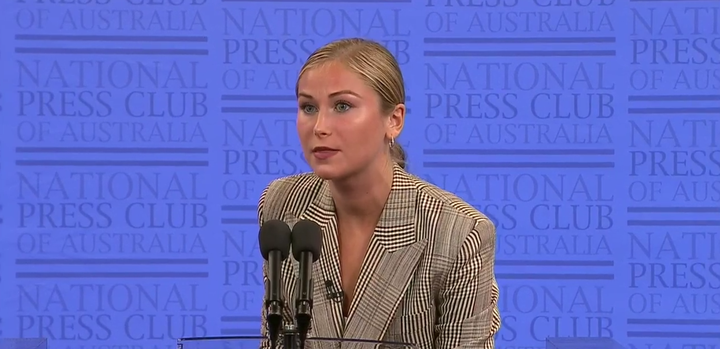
342	107
308	109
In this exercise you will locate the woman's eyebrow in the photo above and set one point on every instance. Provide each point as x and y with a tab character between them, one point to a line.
344	92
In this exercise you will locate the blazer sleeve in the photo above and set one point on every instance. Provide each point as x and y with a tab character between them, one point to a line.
468	312
265	343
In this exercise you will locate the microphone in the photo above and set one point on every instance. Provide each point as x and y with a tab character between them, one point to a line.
333	293
274	239
306	247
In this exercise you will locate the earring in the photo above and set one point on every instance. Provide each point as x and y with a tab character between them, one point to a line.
392	141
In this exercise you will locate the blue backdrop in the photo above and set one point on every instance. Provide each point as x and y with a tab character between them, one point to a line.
137	135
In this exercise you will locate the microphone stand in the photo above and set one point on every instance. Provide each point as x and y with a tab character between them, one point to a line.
274	303
274	322
304	301
290	337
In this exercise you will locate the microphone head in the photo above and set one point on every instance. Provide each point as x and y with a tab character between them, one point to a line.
274	236
306	237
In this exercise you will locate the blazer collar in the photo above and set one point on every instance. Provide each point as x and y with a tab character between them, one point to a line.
395	228
387	270
399	211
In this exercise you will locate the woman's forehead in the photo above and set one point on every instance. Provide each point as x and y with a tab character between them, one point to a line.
332	79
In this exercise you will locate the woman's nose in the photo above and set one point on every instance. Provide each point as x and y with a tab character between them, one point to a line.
321	128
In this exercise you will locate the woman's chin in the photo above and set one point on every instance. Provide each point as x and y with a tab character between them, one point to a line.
325	172
329	172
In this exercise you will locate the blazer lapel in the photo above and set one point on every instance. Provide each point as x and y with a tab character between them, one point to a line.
327	314
389	264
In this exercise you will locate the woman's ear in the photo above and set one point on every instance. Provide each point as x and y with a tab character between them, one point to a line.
396	121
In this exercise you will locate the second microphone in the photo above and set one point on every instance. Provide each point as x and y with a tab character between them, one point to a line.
306	248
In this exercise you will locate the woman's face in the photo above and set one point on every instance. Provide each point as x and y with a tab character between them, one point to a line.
339	122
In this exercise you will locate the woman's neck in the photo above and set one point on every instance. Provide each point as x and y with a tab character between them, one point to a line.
363	197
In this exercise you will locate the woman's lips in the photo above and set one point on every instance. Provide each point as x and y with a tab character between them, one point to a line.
324	153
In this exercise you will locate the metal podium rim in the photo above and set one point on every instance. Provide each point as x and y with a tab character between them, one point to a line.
320	339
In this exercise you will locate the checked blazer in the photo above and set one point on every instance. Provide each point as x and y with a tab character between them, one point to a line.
427	278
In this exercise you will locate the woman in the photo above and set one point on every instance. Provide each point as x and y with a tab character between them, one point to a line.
414	262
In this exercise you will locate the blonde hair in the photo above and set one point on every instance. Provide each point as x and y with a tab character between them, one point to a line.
376	65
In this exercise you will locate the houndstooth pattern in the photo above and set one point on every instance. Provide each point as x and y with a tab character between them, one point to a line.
428	277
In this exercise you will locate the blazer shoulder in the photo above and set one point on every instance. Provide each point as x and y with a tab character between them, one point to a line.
299	183
453	207
288	194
